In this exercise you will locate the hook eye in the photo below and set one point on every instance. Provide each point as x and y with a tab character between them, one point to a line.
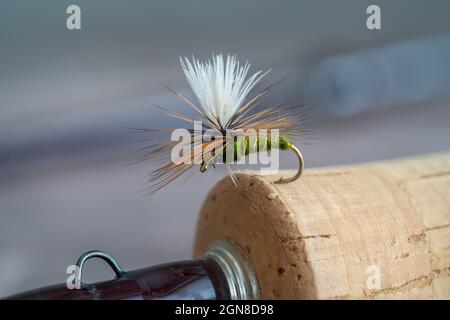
98	254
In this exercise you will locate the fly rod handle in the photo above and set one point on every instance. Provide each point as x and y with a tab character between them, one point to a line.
372	231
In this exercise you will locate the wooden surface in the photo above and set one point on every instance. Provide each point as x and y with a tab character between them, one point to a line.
317	237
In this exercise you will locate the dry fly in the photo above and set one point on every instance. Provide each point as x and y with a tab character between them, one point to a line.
224	105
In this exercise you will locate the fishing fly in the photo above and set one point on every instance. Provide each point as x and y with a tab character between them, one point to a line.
226	108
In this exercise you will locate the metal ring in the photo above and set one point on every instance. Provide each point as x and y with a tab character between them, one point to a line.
98	254
236	267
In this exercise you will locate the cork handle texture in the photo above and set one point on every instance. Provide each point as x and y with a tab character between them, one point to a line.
335	232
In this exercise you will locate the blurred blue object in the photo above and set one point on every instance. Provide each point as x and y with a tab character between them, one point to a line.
403	73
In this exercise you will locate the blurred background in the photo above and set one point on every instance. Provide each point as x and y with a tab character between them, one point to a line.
65	96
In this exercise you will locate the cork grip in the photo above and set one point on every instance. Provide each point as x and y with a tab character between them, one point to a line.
321	236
